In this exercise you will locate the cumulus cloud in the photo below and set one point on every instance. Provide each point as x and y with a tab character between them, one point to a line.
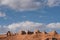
29	4
54	25
52	3
21	4
28	25
2	14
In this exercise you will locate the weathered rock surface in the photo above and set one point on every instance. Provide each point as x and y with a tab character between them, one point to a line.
31	36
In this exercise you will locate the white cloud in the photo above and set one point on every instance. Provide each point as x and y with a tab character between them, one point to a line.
54	25
52	3
2	14
29	4
21	4
28	25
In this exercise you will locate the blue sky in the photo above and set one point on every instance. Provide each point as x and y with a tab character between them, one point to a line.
22	15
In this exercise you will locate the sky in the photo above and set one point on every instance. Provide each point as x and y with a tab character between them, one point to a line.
16	15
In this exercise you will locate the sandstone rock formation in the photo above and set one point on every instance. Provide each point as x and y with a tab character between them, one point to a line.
21	32
36	31
27	35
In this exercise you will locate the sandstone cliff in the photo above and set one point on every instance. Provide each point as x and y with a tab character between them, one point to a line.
36	35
